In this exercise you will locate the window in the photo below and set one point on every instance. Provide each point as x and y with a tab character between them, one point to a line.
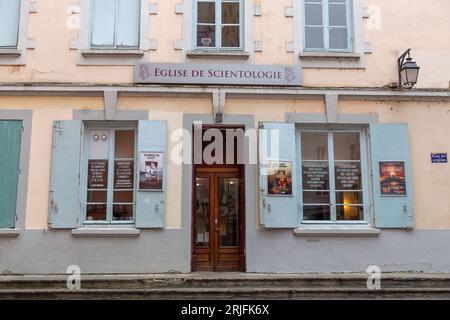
218	24
110	175
327	25
115	24
9	23
333	176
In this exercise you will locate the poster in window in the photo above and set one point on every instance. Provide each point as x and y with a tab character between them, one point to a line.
279	178
151	171
392	178
123	174
98	174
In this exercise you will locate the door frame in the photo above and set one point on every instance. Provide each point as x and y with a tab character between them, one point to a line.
240	170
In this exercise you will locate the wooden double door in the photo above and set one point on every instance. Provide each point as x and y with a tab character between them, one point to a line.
218	220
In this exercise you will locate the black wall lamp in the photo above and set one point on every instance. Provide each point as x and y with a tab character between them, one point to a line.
408	71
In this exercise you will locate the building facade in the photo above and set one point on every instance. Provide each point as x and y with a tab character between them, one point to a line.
152	136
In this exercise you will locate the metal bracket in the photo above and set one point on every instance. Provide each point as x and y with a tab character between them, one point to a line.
219	98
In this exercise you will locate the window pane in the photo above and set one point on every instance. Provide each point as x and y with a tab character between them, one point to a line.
348	176
315	175
97	196
206	12
124	174
338	38
313	14
103	23
98	144
347	146
316	213
206	36
122	212
128	23
229	212
124	144
96	212
230	12
123	197
337	15
202	211
9	22
349	213
314	145
230	37
348	198
316	197
314	38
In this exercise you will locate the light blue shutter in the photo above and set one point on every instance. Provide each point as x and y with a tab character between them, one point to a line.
390	142
103	23
277	211
150	205
65	174
10	140
128	23
9	22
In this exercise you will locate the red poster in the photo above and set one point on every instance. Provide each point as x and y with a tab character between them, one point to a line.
392	178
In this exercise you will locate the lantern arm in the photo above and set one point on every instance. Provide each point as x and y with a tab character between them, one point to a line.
400	62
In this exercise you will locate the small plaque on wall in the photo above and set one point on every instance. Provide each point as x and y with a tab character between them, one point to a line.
439	158
392	178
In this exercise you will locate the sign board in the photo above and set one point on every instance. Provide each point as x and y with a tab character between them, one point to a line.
439	158
393	178
226	74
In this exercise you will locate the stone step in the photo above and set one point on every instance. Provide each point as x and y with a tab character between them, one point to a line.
228	293
224	286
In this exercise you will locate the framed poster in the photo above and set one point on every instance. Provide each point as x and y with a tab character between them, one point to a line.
279	178
392	178
151	171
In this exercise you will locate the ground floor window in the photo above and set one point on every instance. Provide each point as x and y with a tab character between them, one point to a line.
333	175
110	175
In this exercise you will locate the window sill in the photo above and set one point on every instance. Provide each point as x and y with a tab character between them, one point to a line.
112	53
329	55
10	53
217	54
105	232
336	231
9	232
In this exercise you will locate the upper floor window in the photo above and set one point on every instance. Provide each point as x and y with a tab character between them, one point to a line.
9	23
115	24
218	24
327	25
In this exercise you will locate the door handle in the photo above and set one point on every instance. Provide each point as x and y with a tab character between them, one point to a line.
216	225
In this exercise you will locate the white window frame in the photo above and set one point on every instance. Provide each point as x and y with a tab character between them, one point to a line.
351	59
109	211
115	46
219	25
326	27
18	55
87	55
364	175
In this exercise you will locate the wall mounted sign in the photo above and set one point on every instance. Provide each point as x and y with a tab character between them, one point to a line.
393	178
151	171
228	74
439	158
279	178
123	174
98	174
